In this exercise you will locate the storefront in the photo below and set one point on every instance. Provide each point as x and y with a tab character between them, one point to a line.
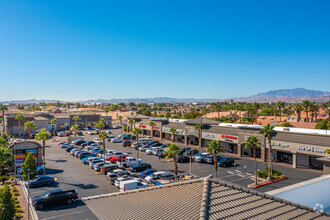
22	149
285	157
314	163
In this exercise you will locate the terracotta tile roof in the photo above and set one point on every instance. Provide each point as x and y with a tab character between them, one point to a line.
203	198
309	125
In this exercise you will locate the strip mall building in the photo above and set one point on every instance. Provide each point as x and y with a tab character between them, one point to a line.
299	147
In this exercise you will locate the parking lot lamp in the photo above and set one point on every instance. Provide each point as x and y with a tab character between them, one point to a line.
28	197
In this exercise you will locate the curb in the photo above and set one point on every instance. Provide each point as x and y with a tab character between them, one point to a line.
265	184
32	210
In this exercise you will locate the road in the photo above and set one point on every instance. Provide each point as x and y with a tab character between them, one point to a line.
72	174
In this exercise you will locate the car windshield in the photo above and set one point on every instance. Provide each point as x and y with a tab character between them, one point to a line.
45	195
222	159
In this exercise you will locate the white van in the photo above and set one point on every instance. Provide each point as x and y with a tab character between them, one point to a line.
132	184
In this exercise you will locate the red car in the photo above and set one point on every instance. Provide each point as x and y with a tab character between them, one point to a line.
117	158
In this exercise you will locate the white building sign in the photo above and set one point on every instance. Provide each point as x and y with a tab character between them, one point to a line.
311	149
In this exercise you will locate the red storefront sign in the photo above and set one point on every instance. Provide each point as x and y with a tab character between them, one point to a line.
228	137
143	126
156	128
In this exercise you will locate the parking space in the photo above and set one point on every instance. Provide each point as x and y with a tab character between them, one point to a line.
71	173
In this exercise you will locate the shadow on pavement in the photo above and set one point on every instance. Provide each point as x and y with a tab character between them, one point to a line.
81	186
53	171
59	161
77	203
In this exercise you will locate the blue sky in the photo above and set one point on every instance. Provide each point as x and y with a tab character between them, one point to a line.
79	50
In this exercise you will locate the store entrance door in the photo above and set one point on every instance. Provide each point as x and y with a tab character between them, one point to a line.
315	164
284	157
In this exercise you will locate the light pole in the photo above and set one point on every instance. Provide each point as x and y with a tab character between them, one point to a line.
190	165
15	171
269	158
28	197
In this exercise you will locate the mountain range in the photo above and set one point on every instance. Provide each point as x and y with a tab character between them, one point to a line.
287	95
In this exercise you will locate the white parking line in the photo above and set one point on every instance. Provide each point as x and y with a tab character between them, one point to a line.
57	216
38	192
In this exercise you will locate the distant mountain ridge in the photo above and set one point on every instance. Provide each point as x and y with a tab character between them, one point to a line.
288	95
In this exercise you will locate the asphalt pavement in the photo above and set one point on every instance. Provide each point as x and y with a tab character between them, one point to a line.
72	174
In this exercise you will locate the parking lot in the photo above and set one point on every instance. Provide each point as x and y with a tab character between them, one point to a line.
71	173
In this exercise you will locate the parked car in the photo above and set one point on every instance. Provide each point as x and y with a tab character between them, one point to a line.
100	165
129	161
60	134
40	169
116	158
209	159
90	132
124	178
118	172
226	162
126	143
54	197
97	140
182	159
140	167
110	138
153	175
69	148
162	176
184	149
87	143
200	157
157	151
132	184
84	160
41	181
147	172
116	140
190	152
94	161
108	168
85	154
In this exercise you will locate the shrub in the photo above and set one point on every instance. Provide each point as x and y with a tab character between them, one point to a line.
18	215
7	203
29	163
16	202
18	210
11	178
3	179
14	197
14	189
17	206
12	184
16	193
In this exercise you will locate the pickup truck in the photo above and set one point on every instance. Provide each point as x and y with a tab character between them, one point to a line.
54	197
129	161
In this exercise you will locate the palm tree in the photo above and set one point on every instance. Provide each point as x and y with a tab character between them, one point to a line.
3	108
131	122
256	107
29	125
173	131
306	105
75	118
199	128
298	108
280	105
120	120
253	142
75	128
106	110
152	124
218	109
100	125
269	133
103	135
328	112
54	121
136	132
314	108
215	148
173	151
43	135
19	118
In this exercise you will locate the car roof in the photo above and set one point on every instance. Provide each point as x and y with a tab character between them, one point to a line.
159	172
55	190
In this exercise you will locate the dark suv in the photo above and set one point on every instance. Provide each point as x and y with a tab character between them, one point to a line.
226	162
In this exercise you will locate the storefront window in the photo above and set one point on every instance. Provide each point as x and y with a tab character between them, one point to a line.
315	164
284	157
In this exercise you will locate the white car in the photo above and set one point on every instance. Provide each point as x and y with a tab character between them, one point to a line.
151	176
128	162
97	140
116	140
90	132
124	178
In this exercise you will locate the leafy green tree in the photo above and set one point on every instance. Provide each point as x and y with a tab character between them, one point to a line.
253	143
43	135
136	132
75	129
215	148
286	124
199	128
103	135
3	108
172	152
19	118
100	125
53	122
7	204
6	158
29	125
323	124
268	132
173	131
29	163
